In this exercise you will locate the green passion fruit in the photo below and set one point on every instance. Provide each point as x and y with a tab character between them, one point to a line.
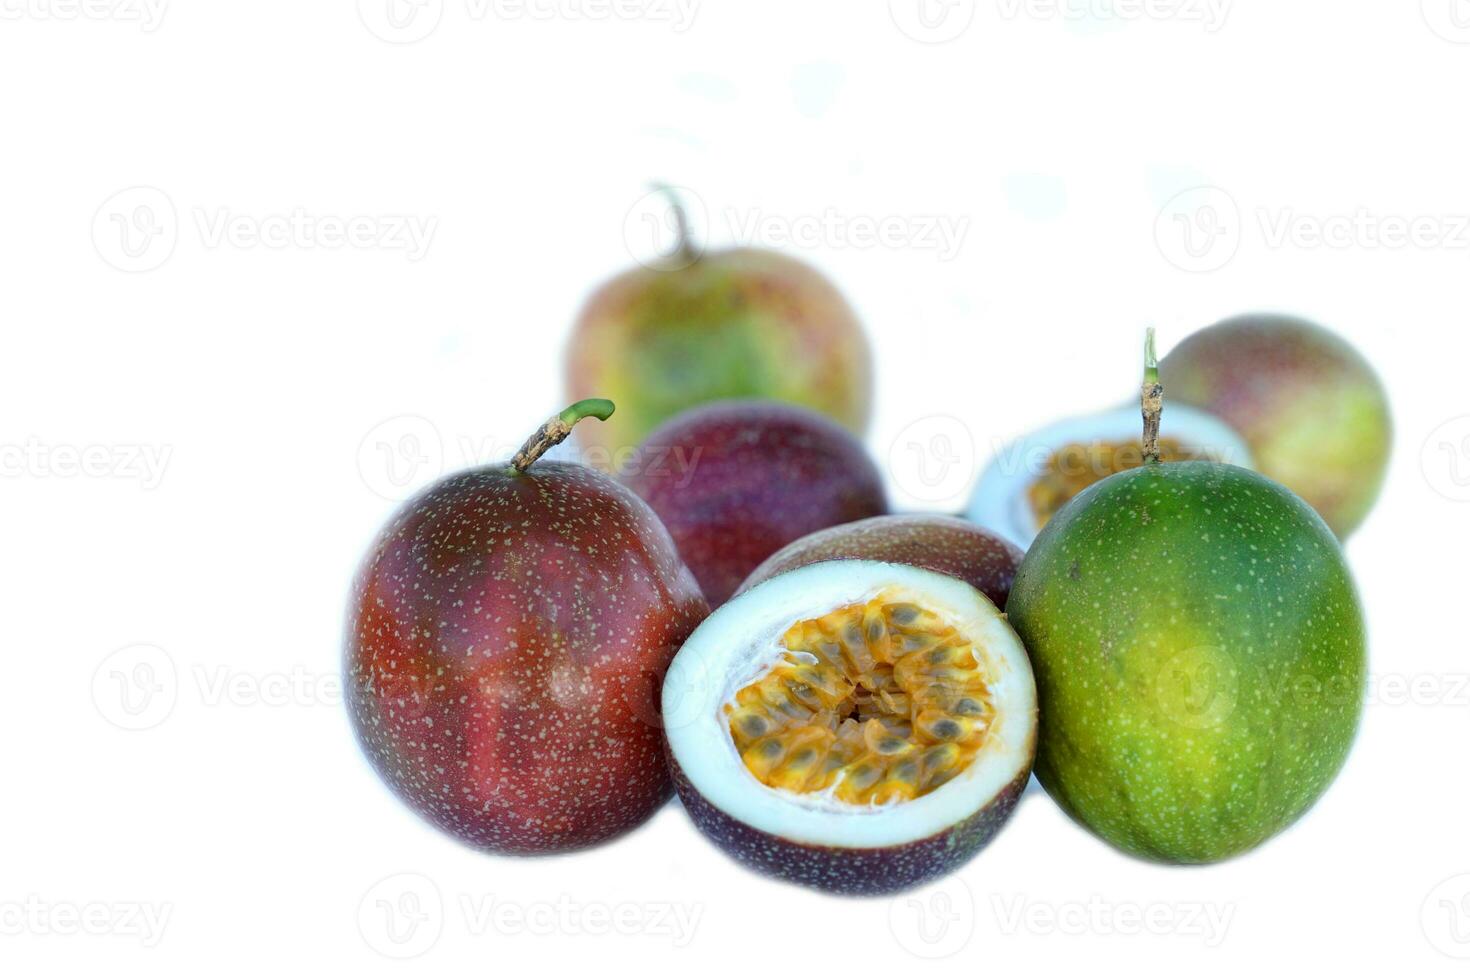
1199	652
853	726
717	325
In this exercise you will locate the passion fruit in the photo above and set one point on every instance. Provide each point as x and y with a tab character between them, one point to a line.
1035	476
712	326
508	636
940	543
1199	652
736	481
854	726
1310	407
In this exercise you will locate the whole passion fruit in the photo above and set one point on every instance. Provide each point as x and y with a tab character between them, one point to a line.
736	481
508	636
1031	479
1312	410
716	325
1199	653
853	726
940	543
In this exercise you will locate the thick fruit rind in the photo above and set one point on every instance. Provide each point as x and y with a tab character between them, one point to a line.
743	323
850	871
1200	659
948	545
1311	408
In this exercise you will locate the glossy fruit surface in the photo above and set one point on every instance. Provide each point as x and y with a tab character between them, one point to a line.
1200	658
948	545
1312	410
736	481
508	634
744	323
854	726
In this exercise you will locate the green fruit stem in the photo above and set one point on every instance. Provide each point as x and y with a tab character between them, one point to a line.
684	249
557	428
1153	400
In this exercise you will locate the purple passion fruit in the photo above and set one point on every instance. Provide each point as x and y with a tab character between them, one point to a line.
1311	408
742	323
508	635
1200	658
740	480
853	726
948	545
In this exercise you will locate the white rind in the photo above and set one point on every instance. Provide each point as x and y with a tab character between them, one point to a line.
999	503
707	672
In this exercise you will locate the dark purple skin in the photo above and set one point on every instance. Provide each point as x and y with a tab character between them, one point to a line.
948	545
852	871
735	481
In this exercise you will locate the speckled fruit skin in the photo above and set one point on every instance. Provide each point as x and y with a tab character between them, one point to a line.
735	481
743	323
850	871
1200	658
948	545
1310	407
507	639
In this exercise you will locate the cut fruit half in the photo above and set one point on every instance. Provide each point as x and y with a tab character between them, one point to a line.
1034	477
854	726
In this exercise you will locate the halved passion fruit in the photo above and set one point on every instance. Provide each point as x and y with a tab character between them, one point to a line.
1033	478
854	726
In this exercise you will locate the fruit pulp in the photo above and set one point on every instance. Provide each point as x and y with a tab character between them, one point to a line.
1077	466
874	703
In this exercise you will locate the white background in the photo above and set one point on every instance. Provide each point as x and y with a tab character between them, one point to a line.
271	377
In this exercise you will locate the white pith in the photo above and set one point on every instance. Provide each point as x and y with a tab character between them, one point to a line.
707	672
1000	502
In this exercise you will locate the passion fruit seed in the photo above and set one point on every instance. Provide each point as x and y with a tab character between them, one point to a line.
1077	466
874	703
